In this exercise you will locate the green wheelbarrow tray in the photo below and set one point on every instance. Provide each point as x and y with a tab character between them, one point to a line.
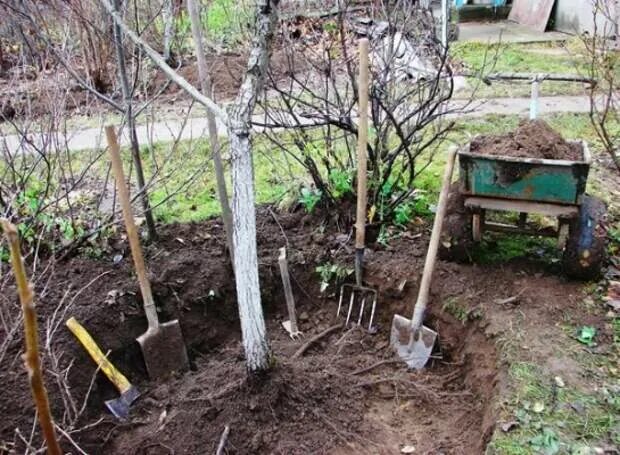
528	179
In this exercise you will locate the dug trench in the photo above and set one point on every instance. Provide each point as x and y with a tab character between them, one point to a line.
345	394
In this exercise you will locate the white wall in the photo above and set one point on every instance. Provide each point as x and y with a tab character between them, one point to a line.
576	16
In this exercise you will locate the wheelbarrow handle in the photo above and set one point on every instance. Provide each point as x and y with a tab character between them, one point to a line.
431	255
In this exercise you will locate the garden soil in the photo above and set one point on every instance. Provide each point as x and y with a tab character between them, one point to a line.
345	394
532	139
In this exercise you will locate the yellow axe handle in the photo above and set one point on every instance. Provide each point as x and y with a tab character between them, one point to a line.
116	377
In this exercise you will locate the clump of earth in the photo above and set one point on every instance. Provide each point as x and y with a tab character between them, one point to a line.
532	139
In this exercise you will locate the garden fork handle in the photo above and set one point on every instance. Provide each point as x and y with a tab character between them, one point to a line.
362	145
132	232
433	246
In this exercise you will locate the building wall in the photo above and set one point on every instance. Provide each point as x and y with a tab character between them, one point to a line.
576	16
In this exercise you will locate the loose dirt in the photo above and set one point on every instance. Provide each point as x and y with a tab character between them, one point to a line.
532	139
346	394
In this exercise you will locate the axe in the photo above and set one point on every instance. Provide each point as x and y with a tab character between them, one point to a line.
129	393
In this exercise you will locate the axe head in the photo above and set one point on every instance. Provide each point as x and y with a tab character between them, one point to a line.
120	406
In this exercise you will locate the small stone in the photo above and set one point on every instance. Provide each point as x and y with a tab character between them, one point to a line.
509	426
578	407
559	381
538	407
304	316
407	449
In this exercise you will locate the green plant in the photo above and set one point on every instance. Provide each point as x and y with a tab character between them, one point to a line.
452	307
309	198
384	236
586	335
546	441
340	183
416	205
332	273
403	214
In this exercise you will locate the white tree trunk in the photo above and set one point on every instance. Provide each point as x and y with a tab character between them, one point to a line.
244	213
205	84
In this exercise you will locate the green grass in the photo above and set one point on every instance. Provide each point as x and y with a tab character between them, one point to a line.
500	248
553	419
520	58
515	58
198	200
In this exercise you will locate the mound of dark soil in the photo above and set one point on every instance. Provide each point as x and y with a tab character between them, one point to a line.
346	394
532	139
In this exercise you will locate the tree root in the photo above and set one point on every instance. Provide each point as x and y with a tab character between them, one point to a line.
300	352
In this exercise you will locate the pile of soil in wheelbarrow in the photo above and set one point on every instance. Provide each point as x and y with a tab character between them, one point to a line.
532	139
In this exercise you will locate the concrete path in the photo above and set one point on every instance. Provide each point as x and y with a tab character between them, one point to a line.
168	131
506	32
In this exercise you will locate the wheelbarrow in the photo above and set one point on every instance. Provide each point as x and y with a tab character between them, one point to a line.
553	188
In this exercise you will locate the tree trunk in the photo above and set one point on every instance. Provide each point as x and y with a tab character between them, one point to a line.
205	84
244	213
131	125
168	17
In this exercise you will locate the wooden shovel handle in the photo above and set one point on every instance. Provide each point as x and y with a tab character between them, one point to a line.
433	246
362	144
130	225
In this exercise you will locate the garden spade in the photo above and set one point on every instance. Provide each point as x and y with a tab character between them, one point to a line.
129	393
162	345
412	341
359	294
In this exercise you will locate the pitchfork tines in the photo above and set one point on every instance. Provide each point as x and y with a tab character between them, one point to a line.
363	296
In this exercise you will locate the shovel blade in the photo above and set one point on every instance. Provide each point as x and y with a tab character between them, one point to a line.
415	352
119	407
164	350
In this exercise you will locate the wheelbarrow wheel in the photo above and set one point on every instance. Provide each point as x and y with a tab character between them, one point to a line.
585	249
456	238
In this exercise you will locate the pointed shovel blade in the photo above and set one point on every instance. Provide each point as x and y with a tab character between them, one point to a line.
164	350
414	352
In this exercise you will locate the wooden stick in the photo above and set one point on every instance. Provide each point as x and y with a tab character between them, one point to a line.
32	358
314	339
130	225
431	254
223	439
288	290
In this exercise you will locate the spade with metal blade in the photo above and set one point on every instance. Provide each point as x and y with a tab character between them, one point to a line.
412	341
129	393
162	345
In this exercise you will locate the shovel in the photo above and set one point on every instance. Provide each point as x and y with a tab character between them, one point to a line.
412	341
358	293
162	345
129	393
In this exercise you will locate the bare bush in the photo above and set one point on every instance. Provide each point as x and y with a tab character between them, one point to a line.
316	103
603	60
